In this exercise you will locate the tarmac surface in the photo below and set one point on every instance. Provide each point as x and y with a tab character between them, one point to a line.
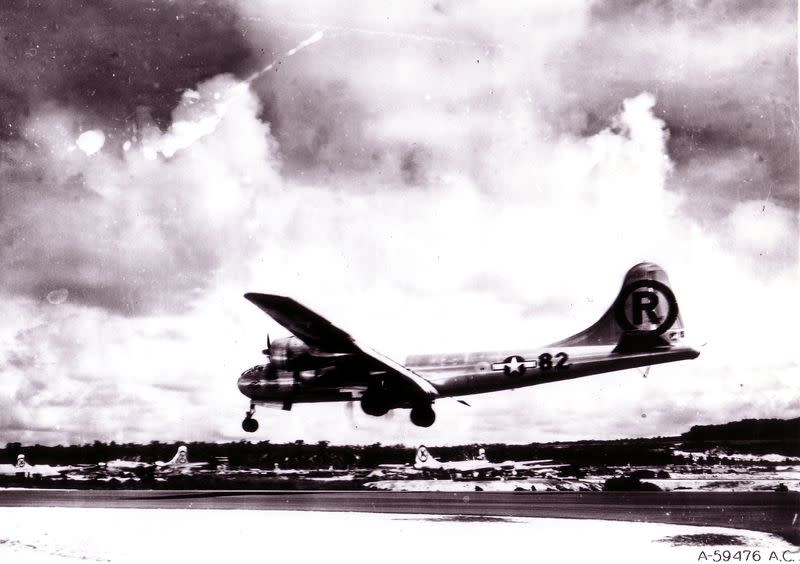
771	512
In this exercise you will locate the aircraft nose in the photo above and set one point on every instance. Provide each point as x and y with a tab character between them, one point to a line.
247	381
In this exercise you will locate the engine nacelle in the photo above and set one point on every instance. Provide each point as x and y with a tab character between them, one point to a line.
289	354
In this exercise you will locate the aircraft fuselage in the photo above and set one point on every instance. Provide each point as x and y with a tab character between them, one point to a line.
456	374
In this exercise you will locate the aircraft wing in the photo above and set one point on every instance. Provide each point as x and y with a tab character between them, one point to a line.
421	384
319	333
9	469
527	463
310	327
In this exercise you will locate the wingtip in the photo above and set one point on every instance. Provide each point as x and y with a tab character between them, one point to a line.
257	296
267	302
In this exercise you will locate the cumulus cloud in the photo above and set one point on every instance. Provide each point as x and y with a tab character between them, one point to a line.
725	77
429	177
128	231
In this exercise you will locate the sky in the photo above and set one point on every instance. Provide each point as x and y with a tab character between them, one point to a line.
430	176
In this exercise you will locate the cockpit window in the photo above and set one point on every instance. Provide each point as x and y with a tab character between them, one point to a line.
255	371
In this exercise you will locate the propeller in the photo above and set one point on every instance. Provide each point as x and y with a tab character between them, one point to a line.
269	346
359	421
349	409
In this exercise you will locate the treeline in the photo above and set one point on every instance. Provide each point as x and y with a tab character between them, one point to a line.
322	455
296	455
578	453
747	430
747	436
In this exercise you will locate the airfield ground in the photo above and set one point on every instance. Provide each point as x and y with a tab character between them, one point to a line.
38	535
648	501
769	512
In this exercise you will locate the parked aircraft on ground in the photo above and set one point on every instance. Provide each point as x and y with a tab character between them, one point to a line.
425	461
22	469
322	363
178	462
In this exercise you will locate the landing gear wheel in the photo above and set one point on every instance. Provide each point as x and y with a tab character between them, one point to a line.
423	416
373	404
250	425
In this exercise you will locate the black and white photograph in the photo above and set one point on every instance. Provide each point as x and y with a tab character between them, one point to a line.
389	281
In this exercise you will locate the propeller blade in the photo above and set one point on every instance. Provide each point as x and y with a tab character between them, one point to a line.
349	407
269	346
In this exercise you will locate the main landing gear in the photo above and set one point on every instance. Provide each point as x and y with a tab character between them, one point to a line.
423	415
249	424
375	404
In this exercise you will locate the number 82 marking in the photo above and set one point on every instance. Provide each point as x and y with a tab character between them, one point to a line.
546	361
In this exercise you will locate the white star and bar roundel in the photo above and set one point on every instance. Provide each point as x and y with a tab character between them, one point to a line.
514	365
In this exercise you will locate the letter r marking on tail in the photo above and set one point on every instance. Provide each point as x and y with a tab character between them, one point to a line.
644	301
644	297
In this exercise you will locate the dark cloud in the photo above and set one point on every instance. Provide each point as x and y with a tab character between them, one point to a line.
331	106
318	123
725	77
414	165
107	59
658	11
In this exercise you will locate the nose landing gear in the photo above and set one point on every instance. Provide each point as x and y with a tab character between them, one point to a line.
249	424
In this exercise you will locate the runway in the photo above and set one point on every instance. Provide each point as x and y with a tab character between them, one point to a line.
770	512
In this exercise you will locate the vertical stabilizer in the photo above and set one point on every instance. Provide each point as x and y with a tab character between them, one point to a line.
181	457
644	315
424	459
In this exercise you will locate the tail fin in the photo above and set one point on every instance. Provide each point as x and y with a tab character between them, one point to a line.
423	458
181	457
644	316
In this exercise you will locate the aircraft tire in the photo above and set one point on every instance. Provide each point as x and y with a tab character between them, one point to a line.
371	404
423	416
250	425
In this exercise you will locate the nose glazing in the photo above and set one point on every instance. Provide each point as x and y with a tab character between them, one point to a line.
247	379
